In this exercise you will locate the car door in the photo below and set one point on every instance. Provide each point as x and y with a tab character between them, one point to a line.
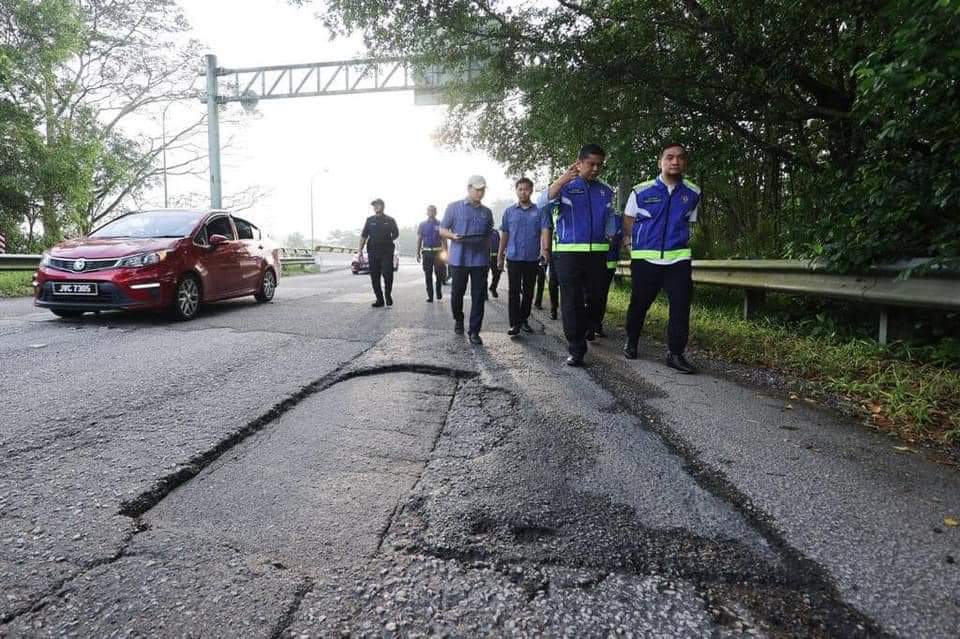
222	262
250	254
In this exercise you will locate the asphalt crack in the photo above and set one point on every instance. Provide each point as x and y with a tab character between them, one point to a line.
168	483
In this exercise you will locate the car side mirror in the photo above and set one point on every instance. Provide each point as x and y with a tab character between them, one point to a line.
216	240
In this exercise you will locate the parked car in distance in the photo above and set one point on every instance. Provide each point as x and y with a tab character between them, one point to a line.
166	259
361	265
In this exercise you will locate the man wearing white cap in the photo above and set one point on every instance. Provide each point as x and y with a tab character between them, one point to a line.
467	224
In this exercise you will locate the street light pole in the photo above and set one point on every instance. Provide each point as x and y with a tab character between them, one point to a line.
213	130
163	134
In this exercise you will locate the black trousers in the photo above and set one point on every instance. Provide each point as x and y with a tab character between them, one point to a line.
553	285
478	293
494	273
606	295
647	280
433	265
582	277
521	279
381	264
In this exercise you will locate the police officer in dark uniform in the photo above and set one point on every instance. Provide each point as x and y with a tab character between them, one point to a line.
379	232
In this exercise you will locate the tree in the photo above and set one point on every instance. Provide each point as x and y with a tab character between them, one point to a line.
766	94
87	73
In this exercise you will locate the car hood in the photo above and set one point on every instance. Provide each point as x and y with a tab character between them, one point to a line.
93	249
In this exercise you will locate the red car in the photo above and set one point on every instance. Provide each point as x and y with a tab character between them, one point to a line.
158	260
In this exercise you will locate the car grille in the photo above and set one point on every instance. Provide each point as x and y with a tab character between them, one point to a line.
88	265
107	293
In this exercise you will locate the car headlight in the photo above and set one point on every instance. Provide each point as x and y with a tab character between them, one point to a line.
45	259
145	259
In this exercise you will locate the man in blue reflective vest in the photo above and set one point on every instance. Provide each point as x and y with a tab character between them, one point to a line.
429	251
582	208
467	225
656	227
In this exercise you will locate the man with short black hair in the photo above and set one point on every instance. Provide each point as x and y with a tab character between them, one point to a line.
379	233
582	207
525	231
467	224
430	246
656	229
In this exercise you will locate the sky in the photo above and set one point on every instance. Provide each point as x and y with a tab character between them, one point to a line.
356	147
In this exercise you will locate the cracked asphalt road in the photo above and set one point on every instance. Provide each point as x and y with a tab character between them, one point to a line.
315	467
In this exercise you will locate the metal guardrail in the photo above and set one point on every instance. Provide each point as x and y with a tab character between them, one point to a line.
880	286
288	257
18	262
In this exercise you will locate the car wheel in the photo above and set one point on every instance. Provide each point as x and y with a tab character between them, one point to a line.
267	288
186	302
66	312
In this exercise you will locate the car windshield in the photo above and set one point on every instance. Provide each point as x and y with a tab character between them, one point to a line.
149	224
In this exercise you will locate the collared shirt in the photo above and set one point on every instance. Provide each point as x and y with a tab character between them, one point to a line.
429	232
463	218
380	231
524	226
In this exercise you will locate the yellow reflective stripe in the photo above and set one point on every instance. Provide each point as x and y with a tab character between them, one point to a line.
572	248
581	248
660	255
612	264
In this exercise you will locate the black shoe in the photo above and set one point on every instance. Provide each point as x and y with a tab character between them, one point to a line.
430	299
590	336
514	331
574	361
458	328
526	327
493	292
600	332
630	350
377	304
389	301
553	313
439	295
680	363
538	306
475	339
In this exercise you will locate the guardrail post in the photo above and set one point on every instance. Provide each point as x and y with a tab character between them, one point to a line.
752	301
884	331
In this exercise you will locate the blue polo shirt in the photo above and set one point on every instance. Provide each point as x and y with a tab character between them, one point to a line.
464	218
524	226
429	231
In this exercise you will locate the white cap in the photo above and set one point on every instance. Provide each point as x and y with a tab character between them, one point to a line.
477	182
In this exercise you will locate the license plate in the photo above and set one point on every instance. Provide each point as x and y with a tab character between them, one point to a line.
74	288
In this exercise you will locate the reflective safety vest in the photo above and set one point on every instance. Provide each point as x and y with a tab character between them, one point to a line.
661	228
581	214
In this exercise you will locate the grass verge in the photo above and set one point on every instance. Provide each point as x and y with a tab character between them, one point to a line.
16	283
914	393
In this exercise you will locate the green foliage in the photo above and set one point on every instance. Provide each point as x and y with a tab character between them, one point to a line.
914	394
15	283
70	72
817	129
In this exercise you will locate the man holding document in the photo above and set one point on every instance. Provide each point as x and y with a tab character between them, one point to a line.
467	224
